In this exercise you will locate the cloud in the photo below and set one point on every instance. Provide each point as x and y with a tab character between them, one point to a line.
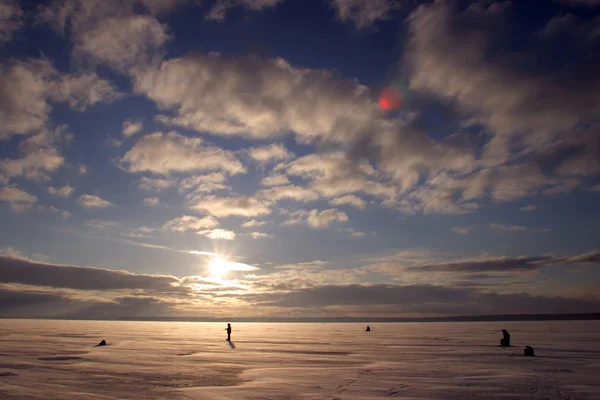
165	153
91	201
131	127
363	13
11	17
100	223
275	180
23	96
221	7
521	110
315	218
18	199
351	200
27	272
334	174
422	300
243	206
82	90
151	201
204	183
34	165
261	235
218	234
528	208
156	184
596	188
463	230
122	42
500	228
64	191
253	223
190	223
589	3
210	92
121	34
291	192
270	153
307	265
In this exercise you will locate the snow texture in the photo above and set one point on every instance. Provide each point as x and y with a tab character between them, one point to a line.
43	359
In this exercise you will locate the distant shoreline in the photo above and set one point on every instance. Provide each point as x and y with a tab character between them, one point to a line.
477	318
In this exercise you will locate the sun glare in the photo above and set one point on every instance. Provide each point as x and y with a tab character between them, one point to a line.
218	267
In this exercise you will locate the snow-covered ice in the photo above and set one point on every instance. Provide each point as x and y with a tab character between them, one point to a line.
43	359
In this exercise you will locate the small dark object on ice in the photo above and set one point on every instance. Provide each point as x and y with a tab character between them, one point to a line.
528	352
368	329
505	341
102	343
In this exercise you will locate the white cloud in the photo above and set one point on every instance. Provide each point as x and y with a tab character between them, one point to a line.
351	200
292	192
11	18
253	223
243	206
23	92
83	169
363	13
221	7
113	33
500	228
528	208
260	235
151	201
165	153
131	127
91	201
100	223
218	234
322	219
122	42
315	218
204	183
82	90
188	223
156	184
464	230
270	153
522	111
34	165
275	180
210	92
64	191
13	195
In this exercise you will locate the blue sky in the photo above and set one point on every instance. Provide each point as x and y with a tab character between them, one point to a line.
238	149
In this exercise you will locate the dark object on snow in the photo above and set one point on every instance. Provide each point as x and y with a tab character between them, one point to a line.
102	343
368	329
528	352
505	341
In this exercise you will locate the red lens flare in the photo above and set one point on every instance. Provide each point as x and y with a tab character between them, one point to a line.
390	99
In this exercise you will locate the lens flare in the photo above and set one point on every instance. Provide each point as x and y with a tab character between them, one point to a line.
390	98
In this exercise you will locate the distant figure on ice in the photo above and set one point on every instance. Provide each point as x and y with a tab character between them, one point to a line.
505	341
528	352
368	329
228	329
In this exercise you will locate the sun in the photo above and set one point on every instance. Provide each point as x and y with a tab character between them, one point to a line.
218	267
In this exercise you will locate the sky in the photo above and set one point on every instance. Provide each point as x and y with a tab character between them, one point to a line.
299	158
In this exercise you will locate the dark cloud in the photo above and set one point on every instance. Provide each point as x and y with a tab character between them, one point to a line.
426	299
15	270
486	265
32	303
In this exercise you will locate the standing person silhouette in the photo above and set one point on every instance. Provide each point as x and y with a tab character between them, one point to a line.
228	329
